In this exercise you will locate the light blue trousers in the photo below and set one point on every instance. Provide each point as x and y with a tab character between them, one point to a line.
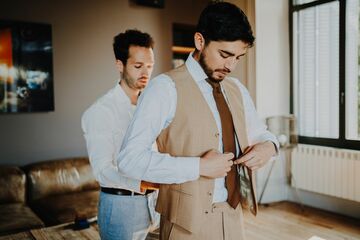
123	217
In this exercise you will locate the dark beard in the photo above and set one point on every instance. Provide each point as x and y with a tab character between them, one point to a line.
208	71
205	67
131	82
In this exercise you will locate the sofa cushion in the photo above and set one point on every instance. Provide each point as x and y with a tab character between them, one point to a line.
12	185
17	217
59	177
64	208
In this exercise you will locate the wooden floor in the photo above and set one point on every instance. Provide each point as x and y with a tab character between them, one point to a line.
287	221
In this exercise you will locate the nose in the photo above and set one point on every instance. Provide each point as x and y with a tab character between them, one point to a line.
230	64
146	72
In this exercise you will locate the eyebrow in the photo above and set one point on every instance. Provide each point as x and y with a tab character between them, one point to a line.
231	54
143	63
226	52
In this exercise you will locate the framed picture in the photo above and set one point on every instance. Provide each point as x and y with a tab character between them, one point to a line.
26	67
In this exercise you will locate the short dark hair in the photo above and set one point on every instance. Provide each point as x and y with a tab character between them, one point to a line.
131	37
223	21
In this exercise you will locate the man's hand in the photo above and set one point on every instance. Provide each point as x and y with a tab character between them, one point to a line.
257	156
214	164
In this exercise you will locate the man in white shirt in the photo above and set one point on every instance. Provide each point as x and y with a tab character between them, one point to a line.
195	113
124	204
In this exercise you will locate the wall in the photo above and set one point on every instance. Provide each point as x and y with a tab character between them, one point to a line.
272	83
272	57
83	67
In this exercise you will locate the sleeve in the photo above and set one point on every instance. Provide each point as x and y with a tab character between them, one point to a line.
156	109
256	129
96	124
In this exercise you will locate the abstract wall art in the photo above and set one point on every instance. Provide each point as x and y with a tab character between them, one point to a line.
26	67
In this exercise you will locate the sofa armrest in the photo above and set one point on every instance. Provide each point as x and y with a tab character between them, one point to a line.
12	185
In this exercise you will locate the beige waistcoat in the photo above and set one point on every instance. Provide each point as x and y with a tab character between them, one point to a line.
193	132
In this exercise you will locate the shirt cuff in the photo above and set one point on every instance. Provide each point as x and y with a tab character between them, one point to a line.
270	138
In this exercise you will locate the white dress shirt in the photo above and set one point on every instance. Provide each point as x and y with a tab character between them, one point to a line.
156	110
104	125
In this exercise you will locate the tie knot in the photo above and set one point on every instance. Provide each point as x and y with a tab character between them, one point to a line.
215	85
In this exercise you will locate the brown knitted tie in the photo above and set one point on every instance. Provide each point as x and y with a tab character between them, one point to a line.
228	138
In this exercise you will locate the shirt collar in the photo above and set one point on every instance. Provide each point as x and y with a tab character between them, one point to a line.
194	68
120	93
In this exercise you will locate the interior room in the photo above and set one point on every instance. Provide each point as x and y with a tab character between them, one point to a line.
303	75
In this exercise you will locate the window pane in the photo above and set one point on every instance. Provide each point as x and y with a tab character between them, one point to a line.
316	70
352	70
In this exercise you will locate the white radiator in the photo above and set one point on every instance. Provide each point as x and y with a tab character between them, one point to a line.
330	171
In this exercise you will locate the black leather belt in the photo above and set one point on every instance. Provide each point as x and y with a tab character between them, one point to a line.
124	192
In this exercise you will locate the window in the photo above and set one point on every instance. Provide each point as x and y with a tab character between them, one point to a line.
325	73
352	87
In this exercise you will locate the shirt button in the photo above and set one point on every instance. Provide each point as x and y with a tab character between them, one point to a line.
217	134
206	212
210	193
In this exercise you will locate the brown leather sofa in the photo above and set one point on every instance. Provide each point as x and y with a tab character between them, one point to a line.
15	215
61	190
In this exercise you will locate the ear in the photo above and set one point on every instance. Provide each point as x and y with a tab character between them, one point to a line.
199	41
119	65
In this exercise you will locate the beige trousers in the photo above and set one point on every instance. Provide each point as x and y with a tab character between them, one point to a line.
222	223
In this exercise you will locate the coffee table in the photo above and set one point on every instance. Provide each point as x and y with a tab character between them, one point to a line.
63	231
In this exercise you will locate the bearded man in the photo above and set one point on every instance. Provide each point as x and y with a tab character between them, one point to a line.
199	115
